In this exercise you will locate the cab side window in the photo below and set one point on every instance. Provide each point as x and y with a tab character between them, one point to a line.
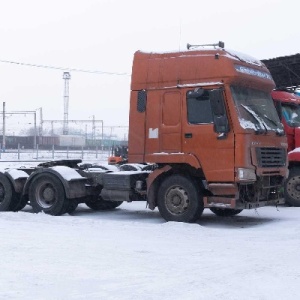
199	109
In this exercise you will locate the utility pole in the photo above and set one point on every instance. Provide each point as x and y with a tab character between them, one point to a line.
66	77
3	142
41	121
35	131
94	129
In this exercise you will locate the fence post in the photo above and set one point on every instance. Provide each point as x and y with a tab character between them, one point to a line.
96	151
52	151
37	151
18	151
81	152
68	152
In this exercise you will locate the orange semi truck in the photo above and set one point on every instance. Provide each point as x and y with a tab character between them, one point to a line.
205	130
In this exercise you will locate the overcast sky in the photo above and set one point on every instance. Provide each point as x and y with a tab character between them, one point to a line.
102	35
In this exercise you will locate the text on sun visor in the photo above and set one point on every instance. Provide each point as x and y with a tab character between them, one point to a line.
250	71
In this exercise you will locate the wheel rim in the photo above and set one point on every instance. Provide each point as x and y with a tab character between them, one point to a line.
177	200
45	195
293	187
2	192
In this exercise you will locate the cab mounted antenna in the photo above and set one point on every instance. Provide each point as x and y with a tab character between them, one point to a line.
219	44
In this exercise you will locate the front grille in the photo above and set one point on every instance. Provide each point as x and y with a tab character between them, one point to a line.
268	157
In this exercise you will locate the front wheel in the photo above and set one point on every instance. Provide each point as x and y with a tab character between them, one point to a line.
225	212
47	194
292	187
180	199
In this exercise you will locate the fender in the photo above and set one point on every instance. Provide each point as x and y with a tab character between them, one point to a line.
73	182
17	179
152	185
294	156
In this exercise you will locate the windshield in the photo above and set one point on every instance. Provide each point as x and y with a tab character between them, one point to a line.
256	110
291	114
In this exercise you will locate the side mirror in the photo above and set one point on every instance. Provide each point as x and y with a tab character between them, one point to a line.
221	124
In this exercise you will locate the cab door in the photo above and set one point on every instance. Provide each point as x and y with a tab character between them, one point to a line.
170	127
206	135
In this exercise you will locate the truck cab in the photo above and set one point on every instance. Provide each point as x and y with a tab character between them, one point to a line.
288	103
206	115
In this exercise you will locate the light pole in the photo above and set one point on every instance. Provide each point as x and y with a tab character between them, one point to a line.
3	141
41	120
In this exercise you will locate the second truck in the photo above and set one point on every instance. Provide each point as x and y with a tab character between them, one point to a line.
285	71
202	127
288	105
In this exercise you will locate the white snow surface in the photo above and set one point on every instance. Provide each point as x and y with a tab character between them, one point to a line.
132	253
244	57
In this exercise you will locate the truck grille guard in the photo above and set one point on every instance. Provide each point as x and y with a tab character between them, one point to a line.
270	162
267	190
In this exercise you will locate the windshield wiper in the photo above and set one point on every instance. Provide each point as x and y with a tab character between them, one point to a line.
263	126
271	120
279	131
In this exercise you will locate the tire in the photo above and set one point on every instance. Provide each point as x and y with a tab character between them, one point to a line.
225	212
7	194
180	199
72	207
292	187
100	204
47	194
22	203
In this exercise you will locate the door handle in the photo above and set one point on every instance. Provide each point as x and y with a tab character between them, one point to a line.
188	135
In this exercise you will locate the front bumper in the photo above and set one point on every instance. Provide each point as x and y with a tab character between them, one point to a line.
232	203
267	190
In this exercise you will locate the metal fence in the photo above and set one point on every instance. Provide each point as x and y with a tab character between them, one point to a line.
44	155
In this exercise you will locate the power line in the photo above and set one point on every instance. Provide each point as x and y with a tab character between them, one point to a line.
63	69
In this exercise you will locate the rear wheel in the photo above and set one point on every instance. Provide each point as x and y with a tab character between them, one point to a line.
22	203
72	206
292	187
225	212
47	194
6	193
180	199
18	203
100	204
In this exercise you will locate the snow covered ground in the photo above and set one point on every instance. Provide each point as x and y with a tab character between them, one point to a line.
132	253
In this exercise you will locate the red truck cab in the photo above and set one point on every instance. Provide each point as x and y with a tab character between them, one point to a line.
288	104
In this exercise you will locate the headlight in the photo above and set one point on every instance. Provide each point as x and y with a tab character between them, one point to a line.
246	174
